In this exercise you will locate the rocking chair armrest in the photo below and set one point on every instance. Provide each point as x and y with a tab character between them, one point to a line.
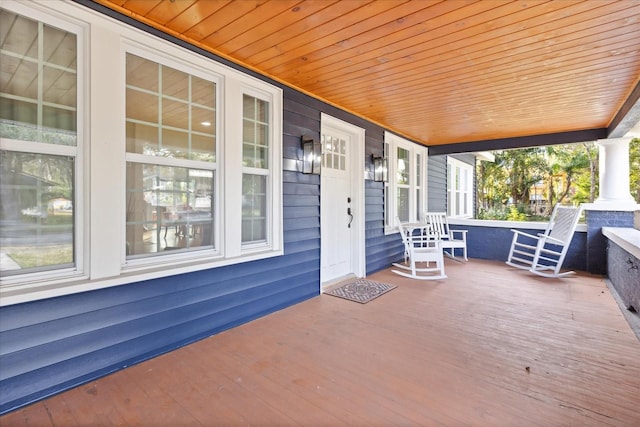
526	234
463	233
551	239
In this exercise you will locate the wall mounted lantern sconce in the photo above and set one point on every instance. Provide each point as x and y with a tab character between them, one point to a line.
380	169
311	156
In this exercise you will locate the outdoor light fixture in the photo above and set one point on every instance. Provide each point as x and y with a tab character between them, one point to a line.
380	169
311	156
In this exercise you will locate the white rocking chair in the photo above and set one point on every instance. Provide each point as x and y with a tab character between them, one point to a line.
450	239
543	254
420	248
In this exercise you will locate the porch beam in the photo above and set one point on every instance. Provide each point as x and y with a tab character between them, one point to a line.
628	116
519	142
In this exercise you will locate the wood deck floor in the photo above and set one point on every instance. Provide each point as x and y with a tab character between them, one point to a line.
489	346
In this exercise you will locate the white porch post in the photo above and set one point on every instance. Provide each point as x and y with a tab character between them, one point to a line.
615	207
614	171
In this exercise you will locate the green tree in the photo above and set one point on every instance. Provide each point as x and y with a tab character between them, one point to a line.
526	167
634	168
491	185
585	181
508	180
566	164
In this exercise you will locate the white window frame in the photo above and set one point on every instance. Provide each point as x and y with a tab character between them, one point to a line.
142	261
77	152
102	160
273	185
392	143
457	169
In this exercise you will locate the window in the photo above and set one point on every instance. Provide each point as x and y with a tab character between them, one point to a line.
173	165
403	183
194	192
459	188
404	193
41	171
171	154
255	169
420	203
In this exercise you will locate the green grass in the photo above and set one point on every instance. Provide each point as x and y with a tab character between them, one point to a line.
30	257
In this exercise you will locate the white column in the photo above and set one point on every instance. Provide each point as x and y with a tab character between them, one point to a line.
614	171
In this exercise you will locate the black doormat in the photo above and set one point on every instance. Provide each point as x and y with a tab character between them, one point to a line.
360	290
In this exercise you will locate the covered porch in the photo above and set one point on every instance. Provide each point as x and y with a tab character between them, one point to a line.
490	345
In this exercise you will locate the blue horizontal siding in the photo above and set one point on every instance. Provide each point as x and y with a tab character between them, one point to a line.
437	184
381	250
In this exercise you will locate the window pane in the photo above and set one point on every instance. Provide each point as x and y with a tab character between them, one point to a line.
403	166
38	83
203	92
175	83
465	206
334	152
59	87
26	86
142	106
36	212
203	148
201	121
22	39
403	204
59	47
58	118
168	208
464	179
388	221
255	133
143	74
450	189
142	139
175	142
254	208
175	114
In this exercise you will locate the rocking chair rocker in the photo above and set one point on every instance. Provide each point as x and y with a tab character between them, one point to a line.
543	254
421	248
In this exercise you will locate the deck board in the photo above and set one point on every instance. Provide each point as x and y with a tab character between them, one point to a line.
452	352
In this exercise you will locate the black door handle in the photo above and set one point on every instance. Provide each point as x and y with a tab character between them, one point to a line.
350	217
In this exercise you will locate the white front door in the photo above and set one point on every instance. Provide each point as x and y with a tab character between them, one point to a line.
341	200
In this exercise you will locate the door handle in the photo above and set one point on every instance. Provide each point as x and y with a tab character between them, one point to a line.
350	217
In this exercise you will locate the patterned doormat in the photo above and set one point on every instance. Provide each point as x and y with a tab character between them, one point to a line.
360	290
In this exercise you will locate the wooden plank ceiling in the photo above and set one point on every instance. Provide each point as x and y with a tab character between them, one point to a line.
439	72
